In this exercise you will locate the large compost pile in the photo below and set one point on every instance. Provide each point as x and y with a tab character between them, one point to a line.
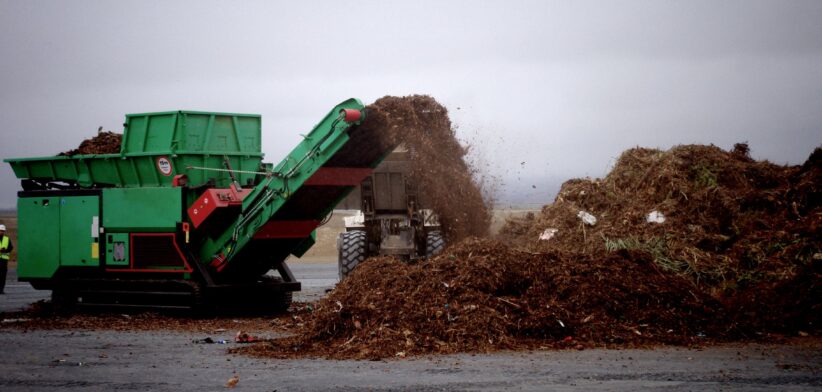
481	295
689	245
746	232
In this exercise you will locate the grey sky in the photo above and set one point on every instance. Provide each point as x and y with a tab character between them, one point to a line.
562	86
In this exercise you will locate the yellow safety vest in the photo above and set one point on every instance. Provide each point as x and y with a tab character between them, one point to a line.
4	244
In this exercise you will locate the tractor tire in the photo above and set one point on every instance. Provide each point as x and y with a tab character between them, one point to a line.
353	248
434	243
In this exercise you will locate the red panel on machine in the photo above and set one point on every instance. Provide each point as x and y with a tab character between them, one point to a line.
211	200
339	176
286	229
159	249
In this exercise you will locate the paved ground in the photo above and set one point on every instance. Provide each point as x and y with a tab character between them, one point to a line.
18	294
167	361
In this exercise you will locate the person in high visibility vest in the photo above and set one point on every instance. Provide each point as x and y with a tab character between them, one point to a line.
5	251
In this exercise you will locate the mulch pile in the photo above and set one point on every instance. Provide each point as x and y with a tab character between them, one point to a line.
104	143
481	295
737	256
745	232
438	166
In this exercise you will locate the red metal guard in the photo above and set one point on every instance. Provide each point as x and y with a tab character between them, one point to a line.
213	199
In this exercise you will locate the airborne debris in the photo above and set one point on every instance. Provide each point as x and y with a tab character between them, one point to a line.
437	161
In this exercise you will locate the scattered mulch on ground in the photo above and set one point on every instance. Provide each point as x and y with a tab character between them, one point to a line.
438	166
41	316
104	143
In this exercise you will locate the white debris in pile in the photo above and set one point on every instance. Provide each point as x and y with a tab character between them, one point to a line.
548	234
655	217
587	218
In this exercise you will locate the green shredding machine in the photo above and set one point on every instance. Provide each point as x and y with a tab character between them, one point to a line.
186	215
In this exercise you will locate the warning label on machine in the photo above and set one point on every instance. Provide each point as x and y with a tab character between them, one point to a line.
164	166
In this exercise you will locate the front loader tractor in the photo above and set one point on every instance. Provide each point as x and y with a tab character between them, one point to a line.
392	219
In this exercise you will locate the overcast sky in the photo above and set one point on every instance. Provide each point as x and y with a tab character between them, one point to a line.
563	86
